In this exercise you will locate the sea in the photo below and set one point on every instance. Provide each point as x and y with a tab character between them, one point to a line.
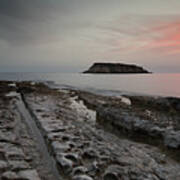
155	84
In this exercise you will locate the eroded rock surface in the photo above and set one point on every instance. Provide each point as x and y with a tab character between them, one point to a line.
84	150
15	142
152	119
79	139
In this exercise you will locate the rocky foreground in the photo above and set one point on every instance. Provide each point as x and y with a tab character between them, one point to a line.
64	134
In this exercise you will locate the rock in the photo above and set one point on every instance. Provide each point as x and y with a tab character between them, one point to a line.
3	166
110	176
18	165
126	101
15	154
79	170
64	163
82	177
89	153
94	152
8	137
93	168
115	68
156	131
114	172
29	175
12	85
60	147
9	175
73	157
175	103
172	139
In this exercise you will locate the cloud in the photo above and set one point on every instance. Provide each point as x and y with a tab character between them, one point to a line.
38	21
138	33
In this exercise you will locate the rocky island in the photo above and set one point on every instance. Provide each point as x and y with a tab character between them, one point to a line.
115	68
48	133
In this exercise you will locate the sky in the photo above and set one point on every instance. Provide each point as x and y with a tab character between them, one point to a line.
70	35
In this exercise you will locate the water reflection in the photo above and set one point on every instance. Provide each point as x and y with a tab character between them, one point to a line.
154	84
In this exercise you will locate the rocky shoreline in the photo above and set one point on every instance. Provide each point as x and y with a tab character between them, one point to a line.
86	136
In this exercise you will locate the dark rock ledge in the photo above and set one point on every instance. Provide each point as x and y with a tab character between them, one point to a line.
153	120
115	68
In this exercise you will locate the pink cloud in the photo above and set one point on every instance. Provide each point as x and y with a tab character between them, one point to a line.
168	39
151	34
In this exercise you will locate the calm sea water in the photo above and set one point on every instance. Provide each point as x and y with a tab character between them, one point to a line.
150	84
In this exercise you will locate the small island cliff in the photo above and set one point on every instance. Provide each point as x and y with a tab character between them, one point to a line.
115	68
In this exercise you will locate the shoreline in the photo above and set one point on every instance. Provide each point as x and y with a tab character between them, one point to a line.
162	84
91	136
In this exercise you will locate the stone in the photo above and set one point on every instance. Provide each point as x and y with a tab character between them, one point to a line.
9	175
110	176
15	154
64	163
3	166
82	177
172	139
125	100
60	147
114	172
79	170
29	175
73	157
18	165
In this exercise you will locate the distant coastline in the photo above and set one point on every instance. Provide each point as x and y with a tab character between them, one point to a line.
118	68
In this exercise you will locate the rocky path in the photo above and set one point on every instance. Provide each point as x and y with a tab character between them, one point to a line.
50	134
47	161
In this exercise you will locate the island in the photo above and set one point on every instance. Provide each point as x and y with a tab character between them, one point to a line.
115	68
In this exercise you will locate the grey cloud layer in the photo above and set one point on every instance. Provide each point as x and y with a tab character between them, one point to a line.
36	21
76	32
